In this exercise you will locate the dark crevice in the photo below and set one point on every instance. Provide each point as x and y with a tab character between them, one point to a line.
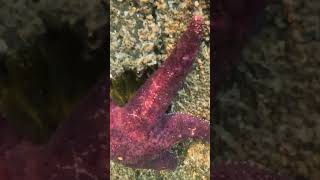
47	79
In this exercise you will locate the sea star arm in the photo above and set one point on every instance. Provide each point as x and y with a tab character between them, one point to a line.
179	126
152	152
155	96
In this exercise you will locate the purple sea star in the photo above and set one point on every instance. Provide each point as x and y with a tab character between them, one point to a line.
77	151
141	133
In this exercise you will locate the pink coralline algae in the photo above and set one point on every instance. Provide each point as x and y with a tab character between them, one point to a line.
242	171
77	151
141	133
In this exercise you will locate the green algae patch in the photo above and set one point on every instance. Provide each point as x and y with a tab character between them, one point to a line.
123	88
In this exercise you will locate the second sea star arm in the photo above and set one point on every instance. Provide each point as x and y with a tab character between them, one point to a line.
155	96
179	126
176	127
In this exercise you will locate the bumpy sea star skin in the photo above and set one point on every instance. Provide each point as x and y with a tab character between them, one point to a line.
140	132
243	171
77	151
